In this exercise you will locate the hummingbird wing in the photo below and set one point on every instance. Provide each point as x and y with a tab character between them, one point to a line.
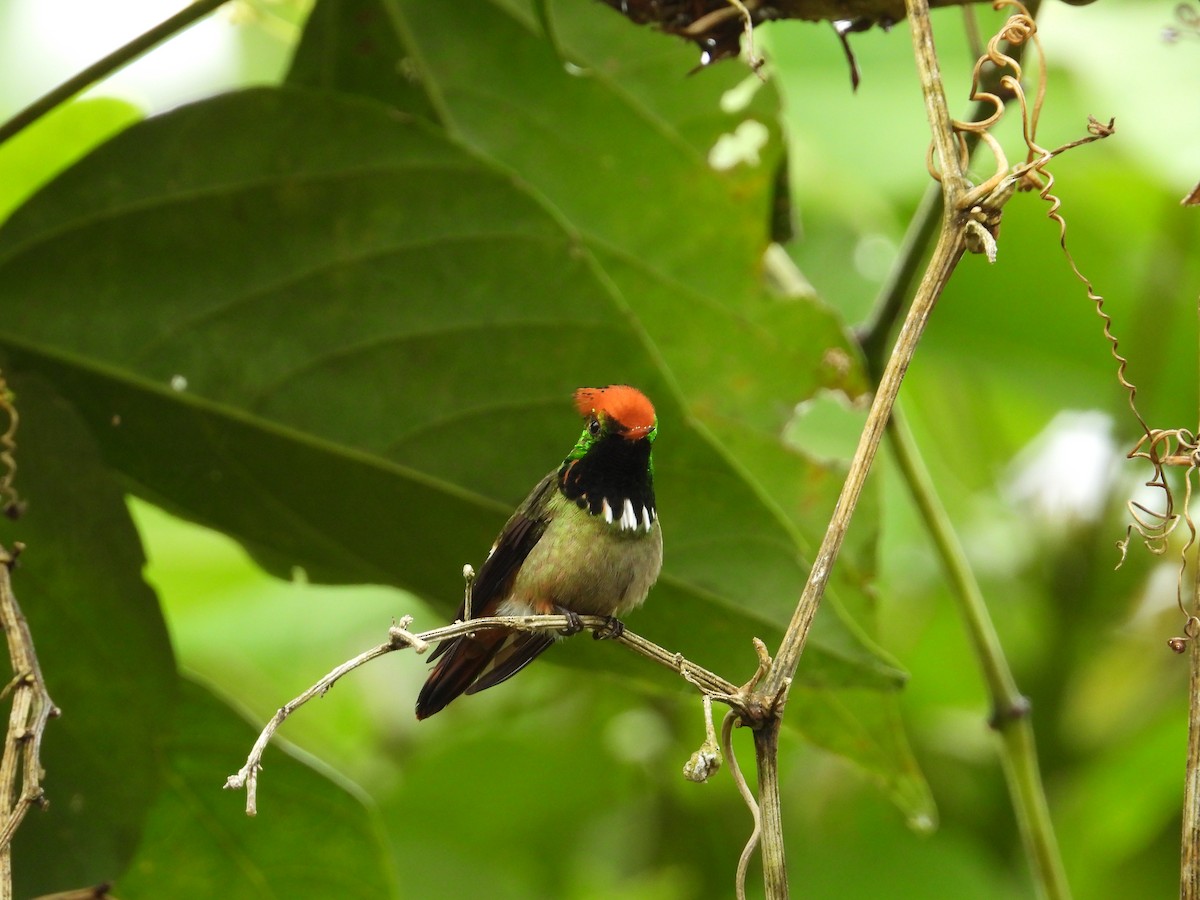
518	537
466	658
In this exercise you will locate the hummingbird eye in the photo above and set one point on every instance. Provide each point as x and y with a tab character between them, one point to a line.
594	427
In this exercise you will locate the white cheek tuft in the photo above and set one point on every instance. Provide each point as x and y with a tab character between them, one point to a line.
628	516
646	523
607	510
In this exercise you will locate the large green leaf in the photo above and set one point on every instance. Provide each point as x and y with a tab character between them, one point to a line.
302	363
621	120
314	837
629	124
619	152
615	121
317	325
102	646
350	46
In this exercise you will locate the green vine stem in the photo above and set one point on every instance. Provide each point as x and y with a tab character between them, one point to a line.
1017	747
1010	710
104	67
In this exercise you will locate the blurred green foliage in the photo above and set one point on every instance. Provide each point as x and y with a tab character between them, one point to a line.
377	319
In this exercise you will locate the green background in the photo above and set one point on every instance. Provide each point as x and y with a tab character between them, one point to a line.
333	322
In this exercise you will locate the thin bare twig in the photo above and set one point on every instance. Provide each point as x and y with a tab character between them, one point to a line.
772	691
949	249
1189	845
31	709
247	776
1189	868
96	892
969	221
399	637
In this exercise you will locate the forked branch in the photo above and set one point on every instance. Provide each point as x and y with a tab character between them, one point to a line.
707	683
970	220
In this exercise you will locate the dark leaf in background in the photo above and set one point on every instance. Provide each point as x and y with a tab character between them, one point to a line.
347	338
292	364
102	645
315	835
309	346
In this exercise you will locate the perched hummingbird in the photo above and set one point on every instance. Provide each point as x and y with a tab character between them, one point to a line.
585	541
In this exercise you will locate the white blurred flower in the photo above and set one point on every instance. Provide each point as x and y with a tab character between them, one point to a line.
1066	473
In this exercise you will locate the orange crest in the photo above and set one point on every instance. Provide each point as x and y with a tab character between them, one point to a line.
621	402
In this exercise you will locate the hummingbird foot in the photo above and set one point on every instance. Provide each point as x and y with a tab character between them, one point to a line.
613	629
574	623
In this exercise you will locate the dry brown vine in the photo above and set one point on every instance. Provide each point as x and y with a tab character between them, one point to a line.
1160	447
10	500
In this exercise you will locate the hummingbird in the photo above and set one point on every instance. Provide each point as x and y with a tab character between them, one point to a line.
586	541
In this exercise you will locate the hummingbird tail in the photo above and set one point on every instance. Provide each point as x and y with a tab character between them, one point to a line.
473	664
463	659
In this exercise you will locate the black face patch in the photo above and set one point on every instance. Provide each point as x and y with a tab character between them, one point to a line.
613	480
